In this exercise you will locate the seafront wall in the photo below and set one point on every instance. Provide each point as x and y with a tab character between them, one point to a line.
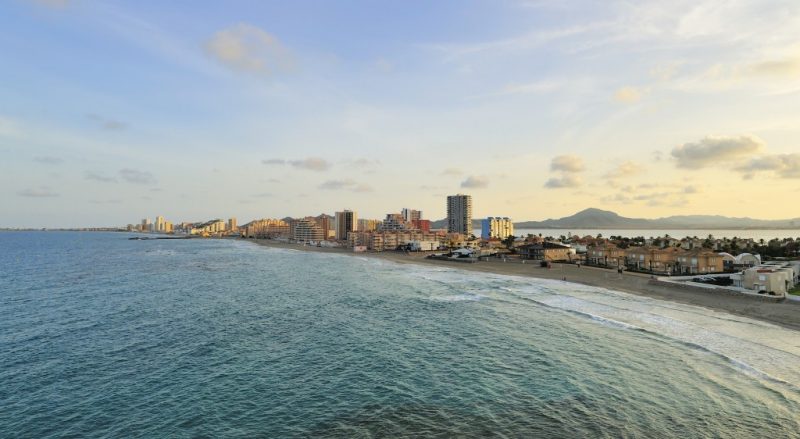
715	290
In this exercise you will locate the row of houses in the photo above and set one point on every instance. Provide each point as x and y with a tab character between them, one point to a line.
667	260
773	277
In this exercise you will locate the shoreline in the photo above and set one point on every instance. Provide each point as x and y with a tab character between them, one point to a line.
785	314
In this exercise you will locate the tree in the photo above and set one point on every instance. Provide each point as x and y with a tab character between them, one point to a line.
509	241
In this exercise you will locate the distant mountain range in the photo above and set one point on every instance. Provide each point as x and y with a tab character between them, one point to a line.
603	219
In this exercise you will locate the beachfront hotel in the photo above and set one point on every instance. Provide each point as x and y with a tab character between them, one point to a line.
459	214
346	222
307	230
495	227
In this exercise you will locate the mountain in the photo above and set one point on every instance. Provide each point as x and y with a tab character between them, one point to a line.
588	218
603	219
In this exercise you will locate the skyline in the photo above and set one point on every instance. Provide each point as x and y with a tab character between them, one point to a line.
536	109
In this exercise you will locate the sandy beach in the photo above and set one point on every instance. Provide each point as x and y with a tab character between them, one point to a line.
785	313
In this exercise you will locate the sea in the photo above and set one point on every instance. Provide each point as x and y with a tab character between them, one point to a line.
102	336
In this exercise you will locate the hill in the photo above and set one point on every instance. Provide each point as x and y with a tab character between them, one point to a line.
593	218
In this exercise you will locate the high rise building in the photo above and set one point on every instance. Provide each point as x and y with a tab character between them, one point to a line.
496	227
393	221
410	215
368	225
459	214
160	224
266	228
346	222
306	230
325	222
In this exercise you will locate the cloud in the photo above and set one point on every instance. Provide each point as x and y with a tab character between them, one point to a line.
781	165
475	182
274	162
345	184
48	160
247	48
89	175
137	177
653	199
452	171
629	95
536	87
667	71
527	41
780	68
691	189
56	4
107	124
40	192
567	181
543	86
618	198
625	169
661	199
311	164
364	162
263	195
567	163
714	149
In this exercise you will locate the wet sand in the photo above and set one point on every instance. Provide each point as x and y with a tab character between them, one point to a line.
785	313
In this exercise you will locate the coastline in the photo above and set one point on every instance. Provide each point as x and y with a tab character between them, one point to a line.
785	314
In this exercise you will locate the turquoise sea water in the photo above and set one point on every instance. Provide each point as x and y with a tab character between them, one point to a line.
105	337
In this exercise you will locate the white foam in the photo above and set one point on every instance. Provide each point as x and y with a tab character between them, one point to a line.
755	347
458	298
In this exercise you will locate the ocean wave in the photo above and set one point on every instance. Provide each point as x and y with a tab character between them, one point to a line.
459	298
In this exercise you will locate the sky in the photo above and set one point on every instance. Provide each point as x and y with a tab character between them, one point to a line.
114	111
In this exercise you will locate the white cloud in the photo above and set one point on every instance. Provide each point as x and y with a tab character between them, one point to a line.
245	47
311	164
40	192
106	123
781	165
345	184
625	169
711	150
90	175
567	163
475	182
273	162
787	66
567	181
137	177
58	4
364	163
629	95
